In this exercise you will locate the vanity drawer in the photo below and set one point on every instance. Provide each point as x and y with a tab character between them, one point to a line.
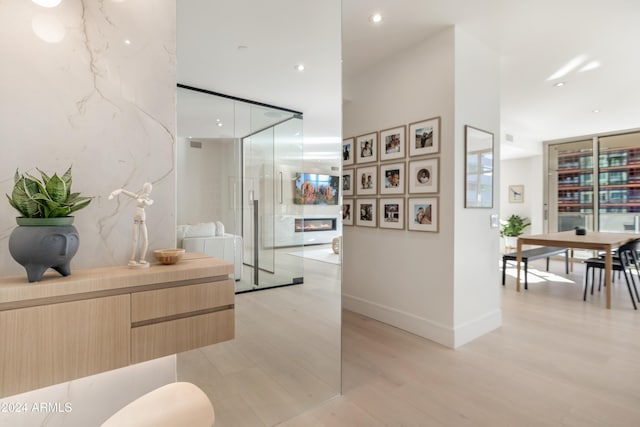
174	336
163	303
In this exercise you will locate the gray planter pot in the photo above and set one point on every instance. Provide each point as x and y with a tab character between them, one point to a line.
39	247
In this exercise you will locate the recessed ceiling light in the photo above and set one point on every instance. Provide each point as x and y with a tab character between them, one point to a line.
559	84
595	111
299	67
376	18
219	124
127	41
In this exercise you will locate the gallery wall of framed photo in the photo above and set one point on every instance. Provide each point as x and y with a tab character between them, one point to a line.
391	178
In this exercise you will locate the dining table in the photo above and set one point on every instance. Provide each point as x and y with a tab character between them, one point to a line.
595	240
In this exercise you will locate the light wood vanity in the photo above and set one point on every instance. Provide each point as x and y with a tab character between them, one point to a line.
95	320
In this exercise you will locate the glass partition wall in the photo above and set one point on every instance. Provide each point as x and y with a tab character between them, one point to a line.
236	166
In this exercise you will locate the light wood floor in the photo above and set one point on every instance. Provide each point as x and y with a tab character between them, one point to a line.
285	358
556	361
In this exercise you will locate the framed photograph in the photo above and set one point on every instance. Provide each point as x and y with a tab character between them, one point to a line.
424	137
366	181
347	151
424	175
516	194
422	214
347	182
347	211
392	178
367	146
366	212
392	213
392	144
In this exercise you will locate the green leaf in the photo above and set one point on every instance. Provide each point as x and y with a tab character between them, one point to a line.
22	201
45	177
47	197
57	189
80	205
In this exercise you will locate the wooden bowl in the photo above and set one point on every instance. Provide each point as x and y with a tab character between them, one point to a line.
168	256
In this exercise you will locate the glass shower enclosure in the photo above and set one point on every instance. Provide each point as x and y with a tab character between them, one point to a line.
243	175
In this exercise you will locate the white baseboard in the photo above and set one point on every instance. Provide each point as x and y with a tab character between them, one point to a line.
476	328
447	336
409	322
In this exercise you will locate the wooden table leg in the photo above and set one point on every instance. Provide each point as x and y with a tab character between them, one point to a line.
518	261
607	274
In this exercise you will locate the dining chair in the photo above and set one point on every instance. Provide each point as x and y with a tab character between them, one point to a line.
627	257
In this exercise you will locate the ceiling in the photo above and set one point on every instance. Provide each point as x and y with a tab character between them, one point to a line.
594	41
535	39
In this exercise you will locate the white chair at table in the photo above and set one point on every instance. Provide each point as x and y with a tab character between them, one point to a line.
173	405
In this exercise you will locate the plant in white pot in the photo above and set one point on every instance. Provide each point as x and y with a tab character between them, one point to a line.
45	237
512	228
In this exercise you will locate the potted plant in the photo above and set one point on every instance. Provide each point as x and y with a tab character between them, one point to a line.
45	236
512	228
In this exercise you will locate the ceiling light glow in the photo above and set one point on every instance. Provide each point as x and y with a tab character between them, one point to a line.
376	18
568	67
47	3
559	84
48	28
299	67
595	111
589	66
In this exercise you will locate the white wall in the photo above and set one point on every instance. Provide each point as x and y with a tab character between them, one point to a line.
442	286
399	277
525	171
476	247
108	109
207	183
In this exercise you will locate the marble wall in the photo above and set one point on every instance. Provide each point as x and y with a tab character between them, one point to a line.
91	84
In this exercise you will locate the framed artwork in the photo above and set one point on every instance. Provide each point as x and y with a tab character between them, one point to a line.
392	144
366	181
424	175
516	193
392	213
347	211
367	146
366	212
424	137
347	151
392	178
422	214
347	182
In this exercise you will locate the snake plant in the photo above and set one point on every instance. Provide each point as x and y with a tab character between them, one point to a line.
45	197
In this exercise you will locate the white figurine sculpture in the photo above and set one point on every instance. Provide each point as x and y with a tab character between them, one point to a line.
139	225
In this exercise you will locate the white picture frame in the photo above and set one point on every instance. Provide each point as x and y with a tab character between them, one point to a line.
366	212
424	137
392	143
392	178
423	214
424	176
367	146
391	213
366	181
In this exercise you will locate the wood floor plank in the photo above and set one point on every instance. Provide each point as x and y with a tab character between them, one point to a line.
555	361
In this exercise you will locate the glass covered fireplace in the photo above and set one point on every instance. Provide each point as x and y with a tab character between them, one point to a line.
315	224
